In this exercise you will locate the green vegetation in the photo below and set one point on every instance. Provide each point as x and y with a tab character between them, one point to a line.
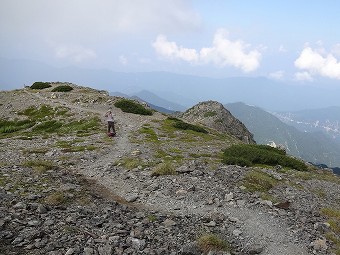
43	113
333	216
50	126
62	88
40	85
56	198
129	163
47	120
150	134
179	124
251	154
165	168
7	127
211	242
131	106
69	146
40	166
259	181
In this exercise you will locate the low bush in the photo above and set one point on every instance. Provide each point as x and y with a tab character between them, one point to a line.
40	85
179	124
50	126
62	88
34	113
7	127
251	154
131	106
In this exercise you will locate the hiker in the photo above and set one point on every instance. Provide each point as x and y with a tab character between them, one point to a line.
110	123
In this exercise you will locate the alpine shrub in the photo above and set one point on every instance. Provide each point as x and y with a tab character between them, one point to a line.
131	106
244	154
62	88
186	126
40	85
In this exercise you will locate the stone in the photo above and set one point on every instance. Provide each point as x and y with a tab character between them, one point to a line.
190	249
169	223
228	197
237	232
210	224
105	250
70	251
254	249
319	244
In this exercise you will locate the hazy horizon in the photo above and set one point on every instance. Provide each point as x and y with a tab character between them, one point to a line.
293	43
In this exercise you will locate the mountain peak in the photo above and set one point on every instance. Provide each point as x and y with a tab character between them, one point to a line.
214	115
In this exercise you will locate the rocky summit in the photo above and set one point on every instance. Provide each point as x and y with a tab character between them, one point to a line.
66	187
213	114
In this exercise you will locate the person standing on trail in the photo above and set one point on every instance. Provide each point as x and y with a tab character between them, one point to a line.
110	123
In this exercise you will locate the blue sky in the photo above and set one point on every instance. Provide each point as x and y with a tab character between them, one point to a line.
282	40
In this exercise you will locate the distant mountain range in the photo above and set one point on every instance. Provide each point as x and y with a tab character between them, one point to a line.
186	90
326	120
315	147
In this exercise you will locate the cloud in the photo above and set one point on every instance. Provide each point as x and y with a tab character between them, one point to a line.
223	52
318	62
170	50
278	75
89	20
303	76
76	54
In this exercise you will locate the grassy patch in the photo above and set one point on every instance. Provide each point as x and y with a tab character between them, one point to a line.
259	181
40	166
50	126
165	168
56	198
34	113
179	124
333	216
69	146
7	127
251	154
211	242
149	133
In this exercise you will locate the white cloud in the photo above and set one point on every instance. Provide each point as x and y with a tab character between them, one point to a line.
76	54
303	76
170	50
223	52
318	62
278	75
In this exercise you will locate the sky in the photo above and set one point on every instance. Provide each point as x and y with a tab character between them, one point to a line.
283	40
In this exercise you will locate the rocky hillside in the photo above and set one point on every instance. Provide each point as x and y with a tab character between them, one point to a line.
67	188
213	114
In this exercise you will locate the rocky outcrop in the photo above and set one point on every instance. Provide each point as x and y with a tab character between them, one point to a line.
213	115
